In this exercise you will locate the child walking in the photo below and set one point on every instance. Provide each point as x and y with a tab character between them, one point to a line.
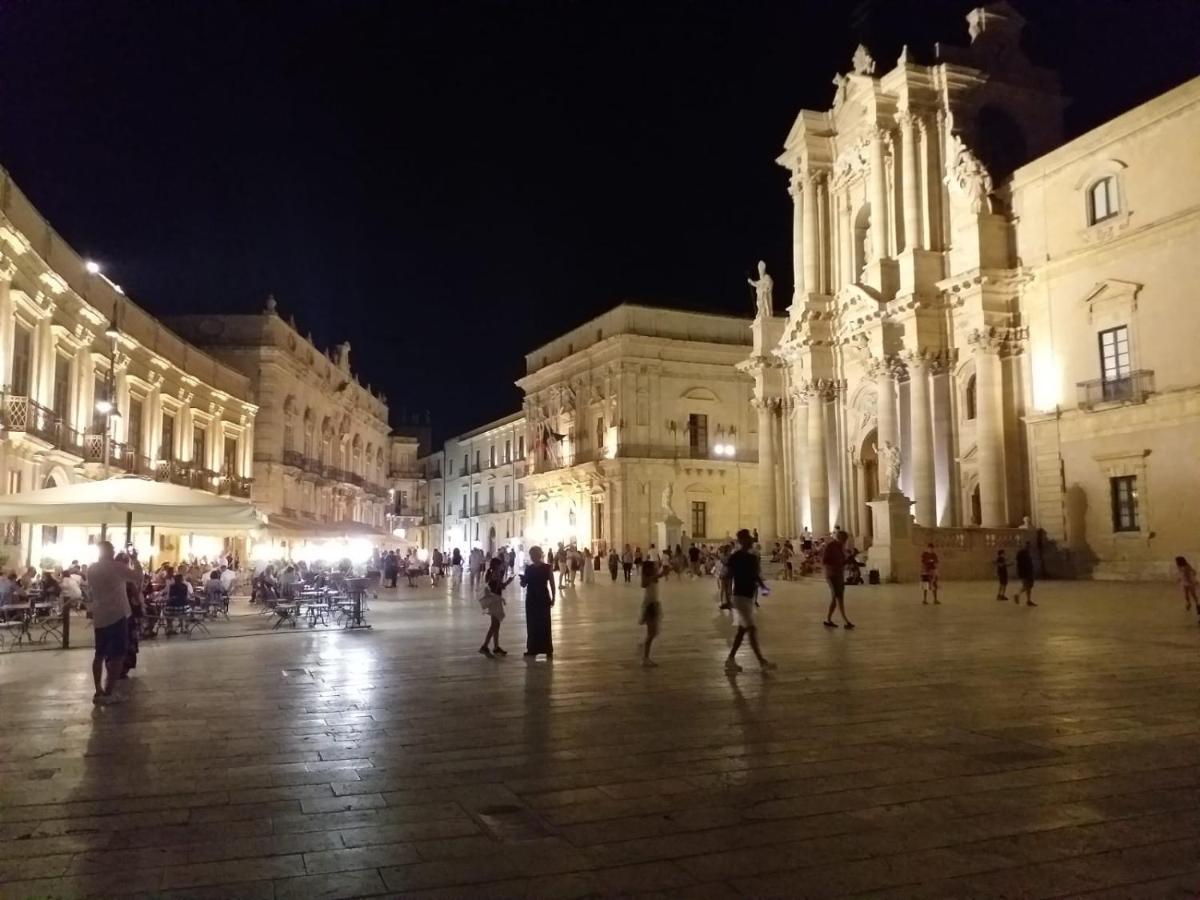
1187	579
1001	563
651	610
492	602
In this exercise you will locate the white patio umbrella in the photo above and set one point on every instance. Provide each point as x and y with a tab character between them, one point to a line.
128	498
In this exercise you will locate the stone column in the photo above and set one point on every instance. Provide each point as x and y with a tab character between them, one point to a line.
811	242
929	194
248	451
863	511
7	330
878	199
885	383
824	237
42	389
85	404
786	474
910	185
120	425
921	448
795	189
941	193
846	239
768	523
800	459
989	427
818	468
184	431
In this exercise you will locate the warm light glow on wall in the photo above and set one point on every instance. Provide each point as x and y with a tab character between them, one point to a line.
1047	381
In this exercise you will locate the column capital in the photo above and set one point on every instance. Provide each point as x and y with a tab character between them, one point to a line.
795	185
1001	341
765	404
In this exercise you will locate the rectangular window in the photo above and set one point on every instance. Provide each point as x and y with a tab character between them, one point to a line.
463	514
507	495
133	434
491	499
198	460
403	499
508	451
600	433
699	519
477	455
22	360
230	460
698	435
475	504
62	385
1114	362
521	447
99	392
1124	502
166	449
520	496
492	456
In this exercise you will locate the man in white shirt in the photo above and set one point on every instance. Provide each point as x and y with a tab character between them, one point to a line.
228	577
110	613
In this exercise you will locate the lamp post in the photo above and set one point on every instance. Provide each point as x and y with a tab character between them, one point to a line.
107	405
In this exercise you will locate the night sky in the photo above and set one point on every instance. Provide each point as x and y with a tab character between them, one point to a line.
450	184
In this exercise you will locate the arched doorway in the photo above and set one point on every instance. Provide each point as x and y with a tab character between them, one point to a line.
868	481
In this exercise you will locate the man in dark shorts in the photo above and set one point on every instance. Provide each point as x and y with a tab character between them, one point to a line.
110	611
744	570
834	560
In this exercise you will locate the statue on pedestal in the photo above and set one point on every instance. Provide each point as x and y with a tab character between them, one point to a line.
668	502
889	463
971	177
764	289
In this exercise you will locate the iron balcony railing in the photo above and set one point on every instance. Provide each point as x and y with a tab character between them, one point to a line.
1131	388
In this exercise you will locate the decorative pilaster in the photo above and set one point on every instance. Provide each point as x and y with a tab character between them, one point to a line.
796	191
768	514
811	241
920	369
884	374
846	241
910	185
7	324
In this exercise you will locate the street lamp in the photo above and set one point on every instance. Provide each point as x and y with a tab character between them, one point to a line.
92	267
107	405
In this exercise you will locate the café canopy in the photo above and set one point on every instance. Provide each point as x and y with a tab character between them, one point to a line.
130	499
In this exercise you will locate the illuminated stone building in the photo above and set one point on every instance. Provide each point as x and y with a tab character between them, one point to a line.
72	342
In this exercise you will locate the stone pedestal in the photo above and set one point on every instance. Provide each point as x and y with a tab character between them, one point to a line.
891	544
669	533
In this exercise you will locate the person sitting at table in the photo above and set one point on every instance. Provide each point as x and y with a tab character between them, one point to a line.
8	588
214	590
287	583
72	589
29	580
228	579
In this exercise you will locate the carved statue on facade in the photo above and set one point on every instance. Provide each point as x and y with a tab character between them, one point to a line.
764	289
863	61
889	466
668	501
971	177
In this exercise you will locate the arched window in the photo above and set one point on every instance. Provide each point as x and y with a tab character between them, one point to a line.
969	399
1102	200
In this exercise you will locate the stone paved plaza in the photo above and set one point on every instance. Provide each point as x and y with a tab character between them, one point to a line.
974	749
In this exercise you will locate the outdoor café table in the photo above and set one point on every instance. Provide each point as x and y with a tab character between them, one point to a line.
286	611
21	614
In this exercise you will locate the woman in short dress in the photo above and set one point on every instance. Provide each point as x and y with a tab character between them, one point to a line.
538	581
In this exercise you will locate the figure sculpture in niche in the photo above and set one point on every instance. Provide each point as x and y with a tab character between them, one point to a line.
764	289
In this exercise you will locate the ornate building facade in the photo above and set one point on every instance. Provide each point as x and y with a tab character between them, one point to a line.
944	308
633	416
70	339
322	442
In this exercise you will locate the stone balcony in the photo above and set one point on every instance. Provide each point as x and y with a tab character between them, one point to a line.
1101	393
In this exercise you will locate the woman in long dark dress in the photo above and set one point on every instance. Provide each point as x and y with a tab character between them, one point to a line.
538	581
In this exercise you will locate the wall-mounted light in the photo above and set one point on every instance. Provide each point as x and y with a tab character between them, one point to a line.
92	267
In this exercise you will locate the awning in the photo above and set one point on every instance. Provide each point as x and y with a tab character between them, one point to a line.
110	501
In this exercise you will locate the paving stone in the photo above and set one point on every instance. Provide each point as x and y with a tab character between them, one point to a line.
972	750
